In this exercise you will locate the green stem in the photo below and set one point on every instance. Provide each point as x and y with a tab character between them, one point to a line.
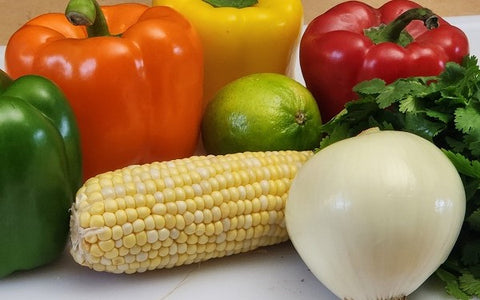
5	81
395	31
87	13
231	3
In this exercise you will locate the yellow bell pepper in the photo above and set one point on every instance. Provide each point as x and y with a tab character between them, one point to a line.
242	41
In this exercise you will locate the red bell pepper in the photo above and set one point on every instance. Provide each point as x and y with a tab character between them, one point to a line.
353	42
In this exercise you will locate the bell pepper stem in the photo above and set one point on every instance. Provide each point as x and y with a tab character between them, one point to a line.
87	13
231	3
395	30
5	81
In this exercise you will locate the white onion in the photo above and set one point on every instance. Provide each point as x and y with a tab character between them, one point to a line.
375	215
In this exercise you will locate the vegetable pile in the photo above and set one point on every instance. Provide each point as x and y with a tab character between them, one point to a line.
138	79
444	109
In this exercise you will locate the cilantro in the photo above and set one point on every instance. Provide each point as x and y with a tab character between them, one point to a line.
444	109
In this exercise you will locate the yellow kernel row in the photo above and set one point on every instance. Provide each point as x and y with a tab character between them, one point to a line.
169	257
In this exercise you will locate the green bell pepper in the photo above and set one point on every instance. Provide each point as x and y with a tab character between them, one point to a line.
40	171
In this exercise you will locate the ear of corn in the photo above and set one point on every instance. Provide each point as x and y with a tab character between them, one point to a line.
184	211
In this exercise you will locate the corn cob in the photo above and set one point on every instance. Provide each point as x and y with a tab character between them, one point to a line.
167	214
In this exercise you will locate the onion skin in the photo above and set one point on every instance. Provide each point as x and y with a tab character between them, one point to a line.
375	215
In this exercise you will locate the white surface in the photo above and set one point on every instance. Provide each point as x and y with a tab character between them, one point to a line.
275	272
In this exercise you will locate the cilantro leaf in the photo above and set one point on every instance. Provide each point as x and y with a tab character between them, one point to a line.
464	165
370	87
470	284
452	285
467	118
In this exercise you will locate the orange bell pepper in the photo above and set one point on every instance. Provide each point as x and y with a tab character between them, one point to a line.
133	76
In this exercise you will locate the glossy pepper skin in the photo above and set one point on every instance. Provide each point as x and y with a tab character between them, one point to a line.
40	171
241	41
336	54
135	88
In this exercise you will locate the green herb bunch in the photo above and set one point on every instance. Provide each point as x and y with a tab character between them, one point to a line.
444	109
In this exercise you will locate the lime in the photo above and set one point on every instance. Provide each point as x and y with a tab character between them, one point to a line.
261	112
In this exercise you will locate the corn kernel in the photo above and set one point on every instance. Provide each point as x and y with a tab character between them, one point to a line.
163	252
248	221
123	251
179	222
141	257
112	254
132	214
169	195
147	247
121	217
171	208
208	200
264	217
174	233
209	229
163	234
129	201
200	230
234	194
99	267
182	237
159	209
192	240
138	225
172	249
224	210
84	219
181	248
143	212
152	236
207	216
249	192
170	221
96	251
159	221
216	213
96	221
129	240
179	192
226	224
110	219
181	207
121	203
150	200
149	222
191	205
141	238
127	228
226	195
105	234
199	203
91	237
97	208
106	246
117	232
